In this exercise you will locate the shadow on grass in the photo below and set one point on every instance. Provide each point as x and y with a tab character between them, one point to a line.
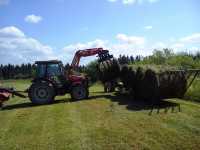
131	104
29	105
139	105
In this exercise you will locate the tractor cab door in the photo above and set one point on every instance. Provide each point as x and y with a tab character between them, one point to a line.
55	73
41	71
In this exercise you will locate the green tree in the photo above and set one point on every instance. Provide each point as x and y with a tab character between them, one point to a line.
92	70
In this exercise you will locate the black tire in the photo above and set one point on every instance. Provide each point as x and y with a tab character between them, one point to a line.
79	92
41	93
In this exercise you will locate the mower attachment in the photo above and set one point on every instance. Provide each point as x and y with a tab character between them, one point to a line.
5	94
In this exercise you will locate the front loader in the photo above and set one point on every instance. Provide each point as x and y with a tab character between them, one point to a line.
52	79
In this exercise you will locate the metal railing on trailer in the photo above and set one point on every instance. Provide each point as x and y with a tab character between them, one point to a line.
188	72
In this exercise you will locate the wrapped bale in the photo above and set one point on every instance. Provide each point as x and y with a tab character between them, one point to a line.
183	85
146	86
138	86
150	86
127	76
179	85
172	85
109	70
164	85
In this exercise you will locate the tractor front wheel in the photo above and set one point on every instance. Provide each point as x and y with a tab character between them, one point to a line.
79	92
41	93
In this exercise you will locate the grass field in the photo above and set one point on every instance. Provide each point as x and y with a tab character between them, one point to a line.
105	122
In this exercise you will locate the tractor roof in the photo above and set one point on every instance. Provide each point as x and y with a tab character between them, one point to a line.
48	62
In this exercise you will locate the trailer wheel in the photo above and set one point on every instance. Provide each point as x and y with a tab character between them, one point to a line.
41	93
79	92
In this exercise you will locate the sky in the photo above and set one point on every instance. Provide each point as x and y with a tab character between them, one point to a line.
33	30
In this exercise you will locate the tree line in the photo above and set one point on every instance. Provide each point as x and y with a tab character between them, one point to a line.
23	71
16	71
181	60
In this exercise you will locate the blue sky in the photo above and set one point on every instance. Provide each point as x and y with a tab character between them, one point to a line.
55	29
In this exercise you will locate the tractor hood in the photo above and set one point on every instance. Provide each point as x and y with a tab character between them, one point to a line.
75	78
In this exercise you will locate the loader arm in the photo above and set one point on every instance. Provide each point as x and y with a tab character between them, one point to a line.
88	52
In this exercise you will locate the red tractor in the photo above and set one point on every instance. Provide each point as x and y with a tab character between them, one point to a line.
52	79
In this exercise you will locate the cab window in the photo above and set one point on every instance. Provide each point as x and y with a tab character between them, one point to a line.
53	70
40	71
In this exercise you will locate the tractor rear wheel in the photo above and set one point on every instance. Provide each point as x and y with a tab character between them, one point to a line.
79	92
41	93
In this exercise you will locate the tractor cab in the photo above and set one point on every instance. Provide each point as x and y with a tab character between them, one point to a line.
51	70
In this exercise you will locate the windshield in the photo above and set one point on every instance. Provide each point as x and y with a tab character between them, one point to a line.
53	70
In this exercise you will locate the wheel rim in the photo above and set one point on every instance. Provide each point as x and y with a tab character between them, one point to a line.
41	93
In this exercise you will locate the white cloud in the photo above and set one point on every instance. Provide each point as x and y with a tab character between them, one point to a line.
190	42
79	46
127	45
133	45
194	38
4	2
131	39
159	45
33	18
148	27
11	31
17	48
177	46
128	49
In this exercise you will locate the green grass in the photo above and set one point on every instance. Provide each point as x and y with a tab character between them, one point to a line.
193	93
105	121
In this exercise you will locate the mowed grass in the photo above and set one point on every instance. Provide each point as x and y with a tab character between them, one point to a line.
104	122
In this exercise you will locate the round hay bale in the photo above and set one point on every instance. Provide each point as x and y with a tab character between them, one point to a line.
164	85
172	84
175	85
123	75
109	70
150	86
127	76
180	85
138	86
